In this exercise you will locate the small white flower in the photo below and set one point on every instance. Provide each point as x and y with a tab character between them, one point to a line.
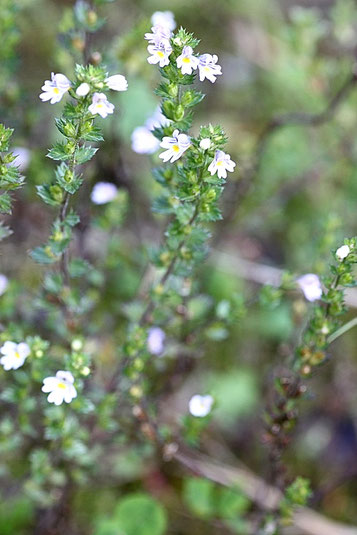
155	340
103	192
23	157
14	355
117	82
311	286
4	282
200	406
221	164
157	119
175	145
101	105
207	67
205	143
164	18
159	54
342	252
61	388
54	89
160	36
143	141
83	89
187	62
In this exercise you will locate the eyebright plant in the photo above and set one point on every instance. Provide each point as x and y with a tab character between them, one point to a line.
192	181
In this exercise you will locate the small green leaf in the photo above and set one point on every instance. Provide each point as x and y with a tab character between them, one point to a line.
140	514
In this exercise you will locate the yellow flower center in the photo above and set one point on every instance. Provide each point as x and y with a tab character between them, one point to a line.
62	386
160	54
17	355
56	90
99	105
219	163
186	60
175	148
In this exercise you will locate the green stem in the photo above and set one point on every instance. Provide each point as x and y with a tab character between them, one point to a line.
342	330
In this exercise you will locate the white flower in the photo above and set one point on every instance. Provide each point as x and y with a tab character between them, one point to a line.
207	67
23	156
164	18
157	119
205	143
160	36
117	82
200	406
187	62
83	89
54	89
103	192
159	54
4	281
143	141
175	145
155	340
14	355
221	164
60	388
101	105
342	252
311	286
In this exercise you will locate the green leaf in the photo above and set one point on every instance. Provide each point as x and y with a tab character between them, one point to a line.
84	154
231	503
140	514
5	203
58	152
44	192
199	497
93	135
43	255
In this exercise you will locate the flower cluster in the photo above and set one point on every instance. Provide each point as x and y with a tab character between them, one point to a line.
60	387
59	85
160	49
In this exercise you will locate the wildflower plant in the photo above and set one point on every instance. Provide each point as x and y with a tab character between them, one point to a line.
70	417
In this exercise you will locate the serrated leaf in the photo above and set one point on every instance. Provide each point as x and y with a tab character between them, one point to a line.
58	152
5	203
43	255
45	193
84	154
94	135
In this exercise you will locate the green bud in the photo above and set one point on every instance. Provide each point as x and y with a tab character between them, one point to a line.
68	176
187	98
211	195
179	113
56	193
168	109
173	90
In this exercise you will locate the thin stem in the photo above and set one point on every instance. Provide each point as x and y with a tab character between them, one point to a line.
151	305
342	330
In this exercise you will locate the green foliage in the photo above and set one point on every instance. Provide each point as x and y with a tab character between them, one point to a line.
206	500
136	514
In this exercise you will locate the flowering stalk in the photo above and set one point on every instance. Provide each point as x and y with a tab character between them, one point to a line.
311	353
192	185
77	125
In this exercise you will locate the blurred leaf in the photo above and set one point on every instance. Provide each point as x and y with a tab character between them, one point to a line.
198	495
140	514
